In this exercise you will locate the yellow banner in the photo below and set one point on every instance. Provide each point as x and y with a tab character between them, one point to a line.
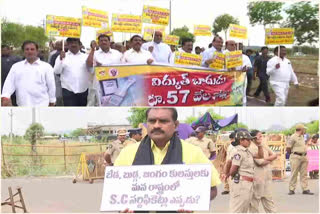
238	31
171	39
187	59
155	15
94	18
106	31
218	61
126	23
63	26
278	36
149	30
234	59
202	30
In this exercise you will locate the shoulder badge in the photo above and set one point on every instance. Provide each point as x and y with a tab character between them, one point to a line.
237	156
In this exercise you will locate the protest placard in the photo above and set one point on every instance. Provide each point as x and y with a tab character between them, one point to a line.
63	26
218	61
237	31
182	58
155	15
164	85
149	31
157	188
106	31
202	30
126	23
279	36
233	59
171	39
94	18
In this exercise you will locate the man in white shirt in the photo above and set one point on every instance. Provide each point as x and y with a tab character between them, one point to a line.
246	64
161	52
187	47
103	57
31	79
136	55
281	74
207	56
74	74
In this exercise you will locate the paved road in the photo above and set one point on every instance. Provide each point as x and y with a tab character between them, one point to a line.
58	194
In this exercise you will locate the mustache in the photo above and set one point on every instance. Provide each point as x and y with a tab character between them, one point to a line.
157	130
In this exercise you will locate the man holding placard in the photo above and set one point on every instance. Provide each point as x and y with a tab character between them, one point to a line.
161	52
74	74
104	56
281	73
207	57
137	55
187	46
163	146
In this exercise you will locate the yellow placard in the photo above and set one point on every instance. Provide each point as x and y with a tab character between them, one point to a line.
105	31
234	59
278	36
94	18
149	30
187	59
218	61
126	23
238	31
202	30
63	26
155	15
171	39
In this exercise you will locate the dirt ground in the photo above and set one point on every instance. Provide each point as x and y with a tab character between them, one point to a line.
307	91
59	194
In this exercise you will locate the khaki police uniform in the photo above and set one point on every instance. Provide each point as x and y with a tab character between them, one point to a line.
262	183
130	141
298	161
114	148
241	193
229	148
205	144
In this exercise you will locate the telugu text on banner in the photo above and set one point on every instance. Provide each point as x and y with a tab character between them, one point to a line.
163	85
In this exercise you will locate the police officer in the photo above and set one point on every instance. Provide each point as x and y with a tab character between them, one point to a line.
262	176
206	144
135	136
229	147
114	148
242	170
298	160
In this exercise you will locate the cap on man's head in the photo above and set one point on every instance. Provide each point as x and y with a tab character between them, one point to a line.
121	132
300	126
200	129
135	131
243	135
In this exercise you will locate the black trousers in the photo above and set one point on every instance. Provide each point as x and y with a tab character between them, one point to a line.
72	99
263	86
249	82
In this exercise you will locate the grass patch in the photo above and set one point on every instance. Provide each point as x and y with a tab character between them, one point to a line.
44	165
305	64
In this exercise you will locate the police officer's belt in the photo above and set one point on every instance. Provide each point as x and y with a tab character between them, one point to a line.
300	154
246	178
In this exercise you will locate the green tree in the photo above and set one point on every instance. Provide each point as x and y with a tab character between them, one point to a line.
15	34
221	23
78	132
313	127
138	115
190	119
183	33
264	12
304	18
34	132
